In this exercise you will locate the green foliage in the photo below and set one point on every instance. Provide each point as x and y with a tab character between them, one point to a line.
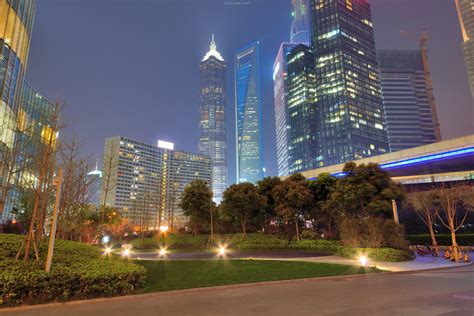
242	202
321	188
366	190
377	254
309	234
197	205
443	239
371	232
79	271
265	188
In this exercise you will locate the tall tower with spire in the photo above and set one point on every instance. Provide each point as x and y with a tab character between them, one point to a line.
212	125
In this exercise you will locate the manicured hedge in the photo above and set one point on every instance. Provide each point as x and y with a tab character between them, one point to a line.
79	271
442	239
377	254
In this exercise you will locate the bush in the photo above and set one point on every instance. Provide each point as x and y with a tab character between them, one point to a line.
147	243
79	271
308	234
442	239
377	254
372	233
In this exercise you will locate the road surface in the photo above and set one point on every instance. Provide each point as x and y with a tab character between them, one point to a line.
440	292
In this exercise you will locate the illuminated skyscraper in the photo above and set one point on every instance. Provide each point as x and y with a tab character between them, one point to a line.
280	95
465	9
303	150
146	181
300	24
248	114
212	141
406	98
351	123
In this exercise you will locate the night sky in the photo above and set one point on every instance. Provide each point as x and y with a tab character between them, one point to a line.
131	68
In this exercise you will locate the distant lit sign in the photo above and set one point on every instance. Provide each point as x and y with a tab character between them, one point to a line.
165	145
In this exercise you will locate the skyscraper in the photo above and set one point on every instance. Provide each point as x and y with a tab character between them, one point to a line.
16	23
248	114
280	95
303	150
212	141
465	9
300	24
406	99
349	102
146	181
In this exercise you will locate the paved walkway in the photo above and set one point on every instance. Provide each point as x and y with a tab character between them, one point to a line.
420	263
439	292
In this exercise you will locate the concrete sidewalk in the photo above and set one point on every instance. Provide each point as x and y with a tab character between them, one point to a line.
419	264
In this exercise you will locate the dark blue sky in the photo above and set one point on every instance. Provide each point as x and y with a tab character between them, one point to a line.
131	67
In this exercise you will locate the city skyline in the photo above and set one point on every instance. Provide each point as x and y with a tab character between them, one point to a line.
187	139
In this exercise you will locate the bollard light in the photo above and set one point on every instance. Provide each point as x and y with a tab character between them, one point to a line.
363	260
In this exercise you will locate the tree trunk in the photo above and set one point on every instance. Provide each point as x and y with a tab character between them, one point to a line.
244	230
434	243
454	242
212	227
297	237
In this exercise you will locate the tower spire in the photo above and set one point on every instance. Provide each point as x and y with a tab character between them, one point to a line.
213	50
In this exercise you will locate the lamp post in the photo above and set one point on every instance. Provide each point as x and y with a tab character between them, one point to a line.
395	212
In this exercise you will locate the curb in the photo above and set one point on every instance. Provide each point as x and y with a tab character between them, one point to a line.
213	288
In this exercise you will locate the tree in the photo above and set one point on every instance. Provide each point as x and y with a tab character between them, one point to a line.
365	190
241	203
455	201
197	205
321	189
39	179
293	200
265	188
110	169
76	190
426	206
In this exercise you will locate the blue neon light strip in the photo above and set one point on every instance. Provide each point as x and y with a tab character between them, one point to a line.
439	156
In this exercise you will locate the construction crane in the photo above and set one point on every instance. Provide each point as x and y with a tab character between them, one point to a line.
423	40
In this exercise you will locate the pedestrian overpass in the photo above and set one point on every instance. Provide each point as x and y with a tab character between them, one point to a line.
448	160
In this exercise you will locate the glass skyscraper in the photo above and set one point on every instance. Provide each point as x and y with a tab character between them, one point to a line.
248	114
351	119
280	95
465	9
303	150
146	181
212	141
406	99
300	24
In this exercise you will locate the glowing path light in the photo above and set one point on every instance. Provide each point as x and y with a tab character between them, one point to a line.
363	260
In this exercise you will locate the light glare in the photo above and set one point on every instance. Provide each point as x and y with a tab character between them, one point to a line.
363	260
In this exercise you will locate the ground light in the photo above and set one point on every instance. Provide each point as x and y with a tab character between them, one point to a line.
163	229
162	251
126	253
107	250
222	250
363	260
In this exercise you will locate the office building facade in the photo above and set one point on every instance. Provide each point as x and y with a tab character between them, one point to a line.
16	23
351	119
213	141
145	182
465	10
406	99
280	96
303	150
249	155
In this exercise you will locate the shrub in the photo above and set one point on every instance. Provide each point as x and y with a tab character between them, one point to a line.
308	234
377	254
372	233
79	271
442	239
147	243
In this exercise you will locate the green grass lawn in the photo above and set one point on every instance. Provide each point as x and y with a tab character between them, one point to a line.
184	274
